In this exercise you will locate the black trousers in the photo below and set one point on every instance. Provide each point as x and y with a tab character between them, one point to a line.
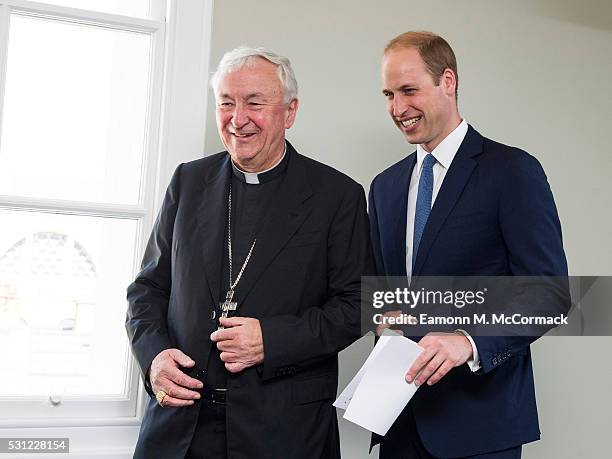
405	443
209	438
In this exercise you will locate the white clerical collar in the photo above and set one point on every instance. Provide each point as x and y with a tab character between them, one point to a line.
447	149
255	178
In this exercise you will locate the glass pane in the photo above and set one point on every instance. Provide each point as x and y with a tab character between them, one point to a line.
137	8
74	112
62	303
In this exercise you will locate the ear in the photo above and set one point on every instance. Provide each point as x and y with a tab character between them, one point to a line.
291	112
449	82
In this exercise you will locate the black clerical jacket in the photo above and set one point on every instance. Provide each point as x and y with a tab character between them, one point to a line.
302	283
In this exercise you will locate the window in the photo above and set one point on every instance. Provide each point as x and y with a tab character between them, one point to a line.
80	97
83	90
99	101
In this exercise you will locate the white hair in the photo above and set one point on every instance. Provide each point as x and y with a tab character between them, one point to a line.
245	56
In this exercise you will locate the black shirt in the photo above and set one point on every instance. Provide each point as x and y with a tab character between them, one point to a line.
251	203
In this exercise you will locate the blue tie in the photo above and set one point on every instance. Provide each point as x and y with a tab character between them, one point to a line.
423	204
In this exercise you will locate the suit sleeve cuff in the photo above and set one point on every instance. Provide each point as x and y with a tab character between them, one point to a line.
474	362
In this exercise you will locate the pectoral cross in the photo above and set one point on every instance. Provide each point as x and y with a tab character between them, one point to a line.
227	306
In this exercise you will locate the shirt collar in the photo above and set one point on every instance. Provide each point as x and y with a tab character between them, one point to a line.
447	149
257	178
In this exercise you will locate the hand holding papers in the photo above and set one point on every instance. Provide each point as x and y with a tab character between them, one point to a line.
378	393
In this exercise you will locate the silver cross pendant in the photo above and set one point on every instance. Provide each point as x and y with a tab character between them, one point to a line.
227	306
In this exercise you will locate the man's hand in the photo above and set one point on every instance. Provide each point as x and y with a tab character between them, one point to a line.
165	375
240	343
443	352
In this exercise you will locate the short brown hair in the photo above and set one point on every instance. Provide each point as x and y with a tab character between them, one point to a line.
433	49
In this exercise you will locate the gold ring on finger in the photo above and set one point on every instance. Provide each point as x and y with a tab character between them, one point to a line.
160	395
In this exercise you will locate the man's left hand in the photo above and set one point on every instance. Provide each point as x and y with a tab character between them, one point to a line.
240	343
443	352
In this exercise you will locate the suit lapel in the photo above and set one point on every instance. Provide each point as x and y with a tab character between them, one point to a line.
398	208
287	213
211	220
456	178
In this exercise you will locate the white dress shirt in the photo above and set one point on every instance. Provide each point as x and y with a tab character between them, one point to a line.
444	153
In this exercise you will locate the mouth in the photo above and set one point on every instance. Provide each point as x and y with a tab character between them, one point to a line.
410	122
243	135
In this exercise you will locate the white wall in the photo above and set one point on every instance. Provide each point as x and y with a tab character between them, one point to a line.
535	74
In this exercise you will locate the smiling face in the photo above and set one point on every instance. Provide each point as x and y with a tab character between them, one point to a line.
252	115
424	111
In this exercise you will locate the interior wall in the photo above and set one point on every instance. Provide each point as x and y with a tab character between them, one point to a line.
534	74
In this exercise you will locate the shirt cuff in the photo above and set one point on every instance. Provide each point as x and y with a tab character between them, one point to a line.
474	362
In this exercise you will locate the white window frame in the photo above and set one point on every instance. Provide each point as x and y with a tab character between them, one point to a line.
176	120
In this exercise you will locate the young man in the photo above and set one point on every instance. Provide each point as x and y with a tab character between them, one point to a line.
461	205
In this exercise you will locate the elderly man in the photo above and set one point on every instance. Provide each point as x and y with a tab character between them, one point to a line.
250	285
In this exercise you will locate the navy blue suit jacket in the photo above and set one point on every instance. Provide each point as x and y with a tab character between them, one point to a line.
493	216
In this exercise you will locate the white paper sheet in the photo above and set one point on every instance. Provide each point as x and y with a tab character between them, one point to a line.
379	390
347	394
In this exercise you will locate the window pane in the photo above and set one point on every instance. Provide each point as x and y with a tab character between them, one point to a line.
138	8
74	112
62	303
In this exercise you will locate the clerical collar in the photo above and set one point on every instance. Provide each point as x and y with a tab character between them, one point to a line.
257	178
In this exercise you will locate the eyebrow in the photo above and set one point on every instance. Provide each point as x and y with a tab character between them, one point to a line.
401	88
255	94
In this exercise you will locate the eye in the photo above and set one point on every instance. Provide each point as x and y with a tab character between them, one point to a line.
226	104
388	95
408	91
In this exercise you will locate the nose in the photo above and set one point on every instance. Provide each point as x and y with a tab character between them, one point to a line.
240	117
399	106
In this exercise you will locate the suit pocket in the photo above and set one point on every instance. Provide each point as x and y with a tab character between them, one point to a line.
302	239
313	390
